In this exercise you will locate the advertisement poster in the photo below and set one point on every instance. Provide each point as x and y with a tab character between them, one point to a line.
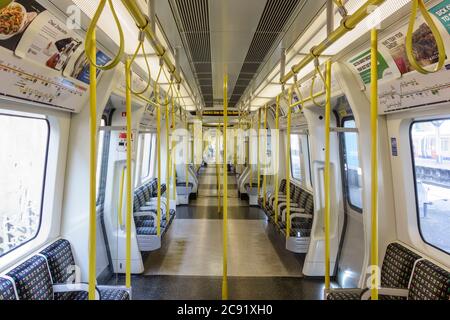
424	45
362	64
31	82
81	67
15	19
48	42
442	13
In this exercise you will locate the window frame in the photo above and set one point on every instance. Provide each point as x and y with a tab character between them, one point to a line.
44	180
413	163
344	159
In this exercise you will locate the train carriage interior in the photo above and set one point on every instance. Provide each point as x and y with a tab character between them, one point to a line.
224	150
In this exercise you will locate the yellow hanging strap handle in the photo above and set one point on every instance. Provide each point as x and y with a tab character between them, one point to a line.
374	162
277	152
120	202
225	191
288	166
141	47
327	173
265	158
258	161
419	5
91	45
129	182
317	72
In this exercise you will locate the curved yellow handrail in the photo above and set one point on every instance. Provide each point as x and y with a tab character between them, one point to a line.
90	32
419	5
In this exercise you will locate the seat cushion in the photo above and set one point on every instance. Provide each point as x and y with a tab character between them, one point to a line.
429	282
33	279
147	231
397	266
60	260
345	294
114	294
105	294
72	295
7	291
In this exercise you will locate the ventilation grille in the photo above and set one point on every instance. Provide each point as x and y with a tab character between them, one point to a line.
194	17
275	15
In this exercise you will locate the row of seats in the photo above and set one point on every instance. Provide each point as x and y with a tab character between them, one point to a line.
145	215
50	275
404	275
301	215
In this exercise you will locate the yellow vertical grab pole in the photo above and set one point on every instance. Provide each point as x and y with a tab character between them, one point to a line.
265	152
277	152
129	182
258	168
218	167
174	155
158	155
288	168
225	192
250	149
92	171
168	161
186	168
374	161
327	174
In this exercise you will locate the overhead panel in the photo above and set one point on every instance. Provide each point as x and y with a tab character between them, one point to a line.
195	31
233	24
274	17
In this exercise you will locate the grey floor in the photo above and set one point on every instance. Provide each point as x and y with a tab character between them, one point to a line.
189	264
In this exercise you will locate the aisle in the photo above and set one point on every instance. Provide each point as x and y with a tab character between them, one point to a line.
193	246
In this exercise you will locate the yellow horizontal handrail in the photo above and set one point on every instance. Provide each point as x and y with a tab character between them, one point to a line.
347	25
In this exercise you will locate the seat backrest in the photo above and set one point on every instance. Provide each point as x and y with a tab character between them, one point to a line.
397	267
309	205
33	280
429	282
303	197
7	290
297	193
60	261
283	186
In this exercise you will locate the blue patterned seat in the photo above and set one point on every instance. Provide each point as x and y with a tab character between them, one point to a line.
60	260
429	282
33	280
61	264
7	290
398	264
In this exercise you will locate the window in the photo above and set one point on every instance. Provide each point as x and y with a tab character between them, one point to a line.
101	142
300	161
23	158
432	180
296	169
353	173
